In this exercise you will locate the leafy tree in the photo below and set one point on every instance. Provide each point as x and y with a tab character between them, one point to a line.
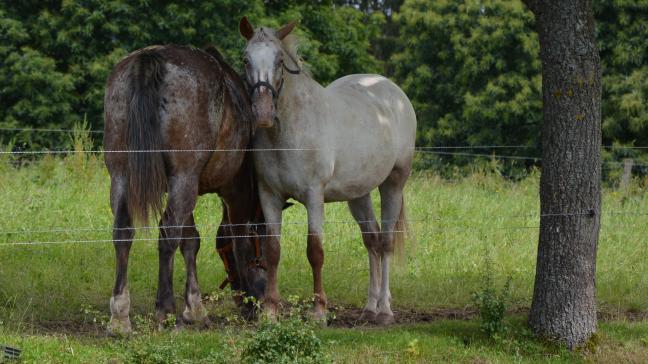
471	67
623	41
335	41
472	71
57	55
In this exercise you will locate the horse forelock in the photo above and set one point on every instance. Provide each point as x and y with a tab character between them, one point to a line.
288	45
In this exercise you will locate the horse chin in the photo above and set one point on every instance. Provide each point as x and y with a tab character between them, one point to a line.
265	123
249	308
249	311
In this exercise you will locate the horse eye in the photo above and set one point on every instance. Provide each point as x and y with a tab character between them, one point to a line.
246	61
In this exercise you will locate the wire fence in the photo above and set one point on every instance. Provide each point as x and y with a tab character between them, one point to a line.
421	150
71	131
31	253
428	219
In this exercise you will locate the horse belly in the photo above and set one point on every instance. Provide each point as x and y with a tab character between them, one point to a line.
354	178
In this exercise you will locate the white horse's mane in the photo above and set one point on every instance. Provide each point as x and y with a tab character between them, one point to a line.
290	45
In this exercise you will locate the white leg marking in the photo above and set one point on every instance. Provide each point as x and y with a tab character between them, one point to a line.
374	282
194	310
119	310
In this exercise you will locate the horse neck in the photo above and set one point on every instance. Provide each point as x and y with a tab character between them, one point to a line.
295	88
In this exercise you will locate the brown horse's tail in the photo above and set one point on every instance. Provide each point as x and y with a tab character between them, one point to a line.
401	233
147	179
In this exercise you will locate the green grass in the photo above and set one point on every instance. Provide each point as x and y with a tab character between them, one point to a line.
455	223
440	341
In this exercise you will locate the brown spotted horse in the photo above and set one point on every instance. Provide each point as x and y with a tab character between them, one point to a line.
178	120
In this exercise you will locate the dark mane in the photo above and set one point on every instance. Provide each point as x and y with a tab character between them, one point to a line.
236	88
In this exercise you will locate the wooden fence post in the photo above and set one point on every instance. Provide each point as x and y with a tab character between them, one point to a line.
627	173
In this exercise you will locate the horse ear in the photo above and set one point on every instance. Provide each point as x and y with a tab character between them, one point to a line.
286	29
246	29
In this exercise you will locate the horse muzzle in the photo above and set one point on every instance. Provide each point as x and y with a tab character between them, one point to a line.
263	104
264	112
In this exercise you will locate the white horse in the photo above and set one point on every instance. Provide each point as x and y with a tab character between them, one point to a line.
334	143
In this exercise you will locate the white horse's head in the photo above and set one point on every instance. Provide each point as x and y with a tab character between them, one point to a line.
264	68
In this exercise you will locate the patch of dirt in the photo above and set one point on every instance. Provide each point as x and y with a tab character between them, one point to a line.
348	317
341	317
631	315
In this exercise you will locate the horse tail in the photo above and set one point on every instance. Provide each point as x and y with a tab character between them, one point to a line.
401	233
147	178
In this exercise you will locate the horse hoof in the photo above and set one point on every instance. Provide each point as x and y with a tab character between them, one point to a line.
319	316
367	316
270	316
384	319
179	326
119	327
195	315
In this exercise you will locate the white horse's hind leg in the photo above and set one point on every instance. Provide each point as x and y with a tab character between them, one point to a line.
391	202
314	251
363	213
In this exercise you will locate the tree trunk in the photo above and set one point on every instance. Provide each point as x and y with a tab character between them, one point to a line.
564	302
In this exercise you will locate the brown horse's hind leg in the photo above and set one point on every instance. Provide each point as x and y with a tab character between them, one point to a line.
194	310
362	211
181	202
123	239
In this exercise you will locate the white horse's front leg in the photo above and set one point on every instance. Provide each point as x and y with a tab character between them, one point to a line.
272	210
315	252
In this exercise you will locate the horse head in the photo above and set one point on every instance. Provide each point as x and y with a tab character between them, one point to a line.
264	68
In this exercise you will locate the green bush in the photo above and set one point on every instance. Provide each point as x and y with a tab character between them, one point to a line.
290	340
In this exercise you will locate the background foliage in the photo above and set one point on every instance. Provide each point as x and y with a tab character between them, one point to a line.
471	67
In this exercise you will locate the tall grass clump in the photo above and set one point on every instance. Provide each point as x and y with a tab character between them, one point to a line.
5	158
81	143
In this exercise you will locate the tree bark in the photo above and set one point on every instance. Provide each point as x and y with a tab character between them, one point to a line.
564	302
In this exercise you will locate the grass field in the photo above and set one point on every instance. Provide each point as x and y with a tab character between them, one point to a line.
52	296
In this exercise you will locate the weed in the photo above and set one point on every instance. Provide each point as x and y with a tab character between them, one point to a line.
143	323
492	306
413	351
170	321
94	316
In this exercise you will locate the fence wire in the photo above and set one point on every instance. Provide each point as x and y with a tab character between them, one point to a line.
47	130
429	221
420	150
